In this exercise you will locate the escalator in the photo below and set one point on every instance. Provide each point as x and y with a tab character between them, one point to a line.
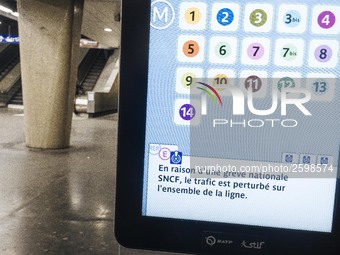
89	70
9	57
10	82
9	67
17	98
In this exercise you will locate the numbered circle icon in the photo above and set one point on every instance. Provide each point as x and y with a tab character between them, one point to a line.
292	18
220	81
326	19
225	17
320	87
187	112
188	80
258	18
286	82
191	48
323	87
254	82
223	50
323	53
193	16
289	52
255	51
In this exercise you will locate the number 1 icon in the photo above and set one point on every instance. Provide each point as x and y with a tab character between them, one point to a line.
193	16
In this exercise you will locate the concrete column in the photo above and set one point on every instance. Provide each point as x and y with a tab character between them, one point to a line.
49	44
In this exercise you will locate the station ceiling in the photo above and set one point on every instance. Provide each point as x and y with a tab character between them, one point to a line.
100	15
101	20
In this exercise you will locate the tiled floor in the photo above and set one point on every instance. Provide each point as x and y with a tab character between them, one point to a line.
58	202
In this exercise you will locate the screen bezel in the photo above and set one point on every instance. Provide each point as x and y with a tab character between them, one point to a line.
136	231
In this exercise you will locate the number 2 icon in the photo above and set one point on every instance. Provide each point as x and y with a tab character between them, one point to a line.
225	16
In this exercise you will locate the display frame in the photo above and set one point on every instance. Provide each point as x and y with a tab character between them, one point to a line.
134	230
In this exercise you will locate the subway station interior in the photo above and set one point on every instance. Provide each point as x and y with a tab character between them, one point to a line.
66	80
57	180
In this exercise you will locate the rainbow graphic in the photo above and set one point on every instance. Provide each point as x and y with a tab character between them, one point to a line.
213	94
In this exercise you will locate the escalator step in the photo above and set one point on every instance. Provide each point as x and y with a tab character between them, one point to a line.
91	80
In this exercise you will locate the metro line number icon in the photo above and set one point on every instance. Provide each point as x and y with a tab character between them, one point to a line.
162	14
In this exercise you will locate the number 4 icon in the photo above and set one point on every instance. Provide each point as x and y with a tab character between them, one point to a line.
326	19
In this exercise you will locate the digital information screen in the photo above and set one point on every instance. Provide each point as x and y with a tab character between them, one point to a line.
243	112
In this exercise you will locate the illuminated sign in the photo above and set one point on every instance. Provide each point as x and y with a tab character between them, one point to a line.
9	39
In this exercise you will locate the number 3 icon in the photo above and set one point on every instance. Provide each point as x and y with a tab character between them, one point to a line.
258	18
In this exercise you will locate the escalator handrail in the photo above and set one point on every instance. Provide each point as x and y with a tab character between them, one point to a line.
8	55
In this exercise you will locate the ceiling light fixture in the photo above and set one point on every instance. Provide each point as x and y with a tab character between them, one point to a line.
107	29
5	9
